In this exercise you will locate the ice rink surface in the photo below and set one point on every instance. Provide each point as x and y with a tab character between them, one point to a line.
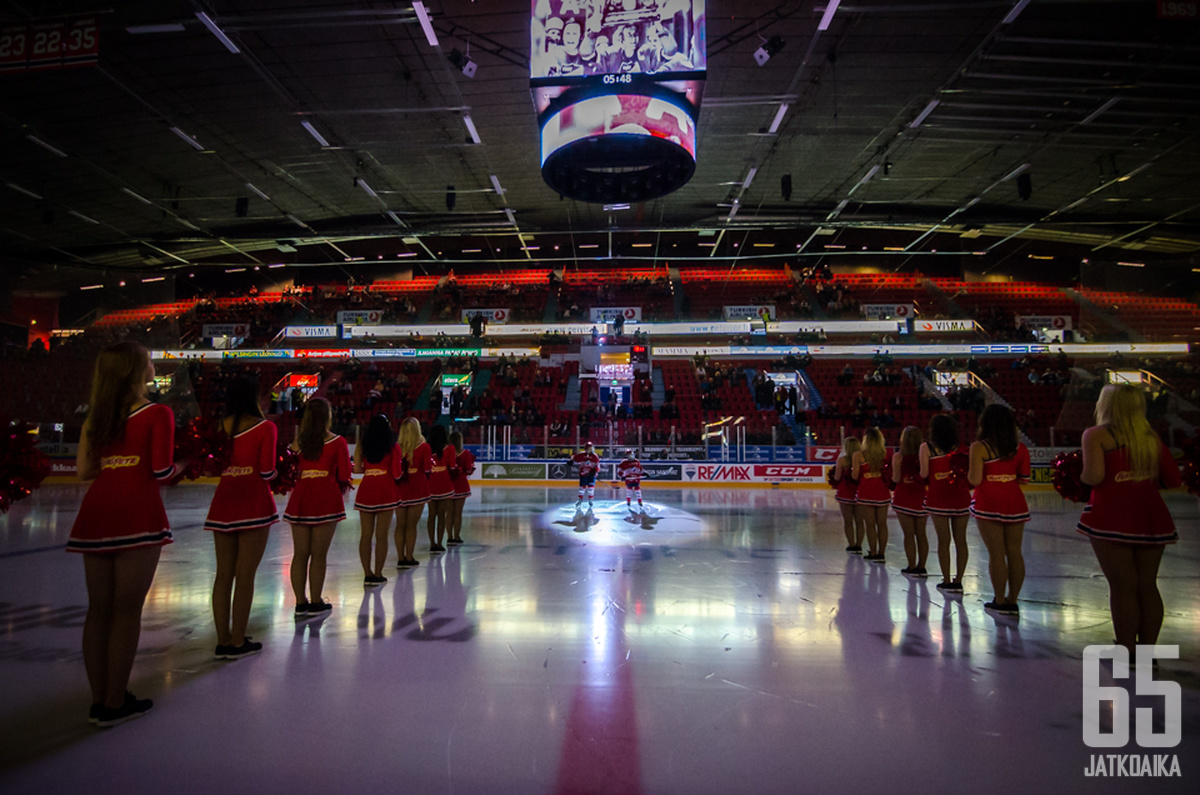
718	641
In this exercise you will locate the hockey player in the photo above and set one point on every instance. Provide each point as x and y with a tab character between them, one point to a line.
588	463
630	470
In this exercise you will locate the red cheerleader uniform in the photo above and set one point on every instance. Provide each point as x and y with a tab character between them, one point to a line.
947	495
441	484
414	488
998	497
909	498
1128	509
465	466
317	498
123	508
243	500
871	488
378	492
847	488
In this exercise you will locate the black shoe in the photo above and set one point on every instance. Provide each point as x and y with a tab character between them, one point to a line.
301	610
454	541
874	558
855	550
956	586
372	580
1009	609
320	608
222	650
408	564
436	548
948	587
908	570
94	712
993	607
849	549
920	572
247	649
132	708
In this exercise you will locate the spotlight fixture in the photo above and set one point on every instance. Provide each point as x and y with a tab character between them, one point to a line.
770	47
463	63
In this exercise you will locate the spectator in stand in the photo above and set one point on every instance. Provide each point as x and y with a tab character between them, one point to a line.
1126	519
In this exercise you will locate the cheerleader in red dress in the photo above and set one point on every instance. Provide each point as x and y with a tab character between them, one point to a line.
441	486
1126	519
909	500
873	495
846	495
241	516
417	461
377	459
464	466
948	498
999	465
316	505
126	448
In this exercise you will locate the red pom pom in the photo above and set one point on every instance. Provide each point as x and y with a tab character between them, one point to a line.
960	464
830	479
1065	472
287	469
22	466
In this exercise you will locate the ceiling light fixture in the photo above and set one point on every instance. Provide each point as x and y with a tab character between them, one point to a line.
865	179
612	208
770	47
1094	114
191	141
276	265
589	245
1133	264
308	125
426	25
25	191
778	120
933	103
187	223
91	287
216	31
154	279
296	221
260	194
395	218
830	8
235	270
1016	172
46	146
472	251
137	196
407	254
166	27
512	218
749	178
362	183
1014	12
496	185
471	131
83	217
643	245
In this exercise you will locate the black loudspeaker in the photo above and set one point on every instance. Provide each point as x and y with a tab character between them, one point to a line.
785	187
241	207
451	197
1024	186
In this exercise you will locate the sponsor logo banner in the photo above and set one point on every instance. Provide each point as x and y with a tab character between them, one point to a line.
790	473
225	330
562	470
717	473
495	315
824	454
1046	321
934	326
883	311
632	314
753	311
656	471
323	353
252	354
511	471
200	354
310	332
359	317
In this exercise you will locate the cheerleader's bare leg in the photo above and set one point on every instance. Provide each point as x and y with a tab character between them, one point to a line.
866	514
881	528
848	524
117	585
251	545
301	552
958	526
322	537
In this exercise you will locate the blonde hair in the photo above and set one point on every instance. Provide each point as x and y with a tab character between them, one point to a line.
850	446
313	427
410	436
1122	407
910	441
118	381
873	449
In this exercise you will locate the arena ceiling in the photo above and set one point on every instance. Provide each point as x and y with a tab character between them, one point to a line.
906	127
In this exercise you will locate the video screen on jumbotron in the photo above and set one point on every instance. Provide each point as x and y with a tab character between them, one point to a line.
615	42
